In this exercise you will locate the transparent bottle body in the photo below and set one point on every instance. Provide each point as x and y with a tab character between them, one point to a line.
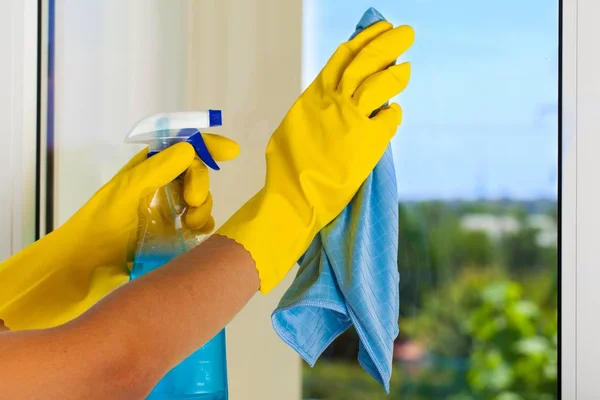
163	235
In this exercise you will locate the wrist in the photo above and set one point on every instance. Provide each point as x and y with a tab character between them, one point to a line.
271	228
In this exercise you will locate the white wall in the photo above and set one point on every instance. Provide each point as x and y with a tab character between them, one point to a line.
118	61
18	69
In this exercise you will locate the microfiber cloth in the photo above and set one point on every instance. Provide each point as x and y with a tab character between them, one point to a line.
349	274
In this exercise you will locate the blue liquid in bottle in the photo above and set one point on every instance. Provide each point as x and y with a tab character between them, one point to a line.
203	375
163	234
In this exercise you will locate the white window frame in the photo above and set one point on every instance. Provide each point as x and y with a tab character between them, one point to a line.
568	199
18	98
581	197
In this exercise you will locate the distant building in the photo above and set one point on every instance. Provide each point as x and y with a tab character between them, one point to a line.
546	226
494	226
497	226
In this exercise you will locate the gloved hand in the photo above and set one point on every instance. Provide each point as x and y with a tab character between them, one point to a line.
324	149
62	275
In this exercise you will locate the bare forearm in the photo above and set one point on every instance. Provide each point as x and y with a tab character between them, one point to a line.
172	311
62	363
122	346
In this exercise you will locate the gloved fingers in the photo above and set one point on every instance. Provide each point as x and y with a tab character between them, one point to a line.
197	178
135	161
207	228
332	73
220	147
161	168
196	183
376	56
386	121
197	217
381	87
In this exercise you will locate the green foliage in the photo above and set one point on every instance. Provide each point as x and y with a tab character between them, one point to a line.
514	349
473	248
433	247
484	318
413	261
343	381
521	251
440	324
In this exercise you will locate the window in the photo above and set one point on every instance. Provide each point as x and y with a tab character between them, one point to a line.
119	61
477	168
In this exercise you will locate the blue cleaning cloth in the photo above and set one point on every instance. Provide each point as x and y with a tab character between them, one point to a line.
349	274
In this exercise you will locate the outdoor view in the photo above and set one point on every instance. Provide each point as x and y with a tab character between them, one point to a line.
476	162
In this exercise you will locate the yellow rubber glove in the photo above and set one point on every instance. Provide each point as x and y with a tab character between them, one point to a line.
324	149
62	275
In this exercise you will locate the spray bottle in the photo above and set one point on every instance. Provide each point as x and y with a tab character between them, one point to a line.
164	235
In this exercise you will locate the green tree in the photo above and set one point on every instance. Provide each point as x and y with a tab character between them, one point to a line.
473	248
414	262
514	353
521	251
506	339
441	323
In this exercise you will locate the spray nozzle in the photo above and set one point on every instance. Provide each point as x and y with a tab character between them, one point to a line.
160	131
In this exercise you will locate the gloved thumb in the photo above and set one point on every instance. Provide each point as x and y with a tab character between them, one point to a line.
220	147
160	169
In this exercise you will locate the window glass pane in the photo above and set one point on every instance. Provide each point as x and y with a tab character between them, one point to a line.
476	164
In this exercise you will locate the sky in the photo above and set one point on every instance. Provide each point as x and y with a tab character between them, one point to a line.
480	112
